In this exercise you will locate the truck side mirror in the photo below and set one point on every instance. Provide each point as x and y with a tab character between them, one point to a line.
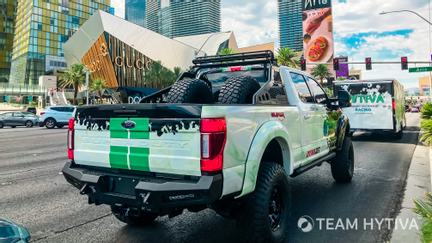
344	98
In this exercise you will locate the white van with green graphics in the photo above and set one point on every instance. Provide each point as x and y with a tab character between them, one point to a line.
225	136
377	105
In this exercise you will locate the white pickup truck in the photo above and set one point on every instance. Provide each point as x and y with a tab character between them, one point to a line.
225	136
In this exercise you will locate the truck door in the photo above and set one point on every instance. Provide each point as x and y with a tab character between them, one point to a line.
312	120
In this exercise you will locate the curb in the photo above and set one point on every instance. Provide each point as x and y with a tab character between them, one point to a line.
419	182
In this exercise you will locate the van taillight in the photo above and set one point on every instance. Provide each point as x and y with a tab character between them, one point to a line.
393	104
70	138
213	137
42	113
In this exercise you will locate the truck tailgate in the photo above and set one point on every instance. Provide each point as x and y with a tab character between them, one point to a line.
146	137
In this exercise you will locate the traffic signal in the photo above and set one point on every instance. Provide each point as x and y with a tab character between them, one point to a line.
368	62
336	64
404	63
303	64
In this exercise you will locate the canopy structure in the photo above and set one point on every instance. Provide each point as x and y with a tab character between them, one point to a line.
123	53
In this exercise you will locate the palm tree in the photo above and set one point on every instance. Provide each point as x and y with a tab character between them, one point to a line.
288	57
98	85
73	77
226	51
320	72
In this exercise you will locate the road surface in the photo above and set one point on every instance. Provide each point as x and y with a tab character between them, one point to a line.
33	193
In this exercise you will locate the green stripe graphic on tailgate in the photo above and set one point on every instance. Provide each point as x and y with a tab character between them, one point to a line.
127	157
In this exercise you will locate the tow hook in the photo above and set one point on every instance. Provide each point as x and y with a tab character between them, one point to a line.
86	189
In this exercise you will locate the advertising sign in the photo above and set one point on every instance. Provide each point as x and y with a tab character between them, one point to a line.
318	31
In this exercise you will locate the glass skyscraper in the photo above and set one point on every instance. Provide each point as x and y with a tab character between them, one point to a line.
7	25
186	18
290	24
42	26
175	18
143	13
135	11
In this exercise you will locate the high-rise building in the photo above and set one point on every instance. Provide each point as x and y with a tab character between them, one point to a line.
7	25
175	18
290	24
143	13
184	18
135	11
42	27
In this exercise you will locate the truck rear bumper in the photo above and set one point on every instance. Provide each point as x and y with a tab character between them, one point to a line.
149	193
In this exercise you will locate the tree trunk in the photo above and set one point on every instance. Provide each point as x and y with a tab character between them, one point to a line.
75	96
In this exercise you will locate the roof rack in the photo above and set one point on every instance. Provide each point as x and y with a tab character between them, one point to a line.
247	58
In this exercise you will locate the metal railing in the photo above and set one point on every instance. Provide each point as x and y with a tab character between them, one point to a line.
20	89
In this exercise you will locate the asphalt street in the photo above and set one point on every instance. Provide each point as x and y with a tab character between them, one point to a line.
34	193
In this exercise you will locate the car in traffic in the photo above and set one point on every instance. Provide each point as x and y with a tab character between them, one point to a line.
415	109
13	233
226	136
18	118
56	116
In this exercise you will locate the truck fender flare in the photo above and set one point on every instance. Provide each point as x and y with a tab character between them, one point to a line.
343	126
267	132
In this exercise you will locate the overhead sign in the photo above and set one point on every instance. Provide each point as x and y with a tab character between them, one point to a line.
318	31
420	69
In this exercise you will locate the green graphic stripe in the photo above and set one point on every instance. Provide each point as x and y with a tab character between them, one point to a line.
138	158
118	157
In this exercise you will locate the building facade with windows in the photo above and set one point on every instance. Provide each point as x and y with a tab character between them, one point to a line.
185	18
42	27
175	18
7	25
135	11
290	24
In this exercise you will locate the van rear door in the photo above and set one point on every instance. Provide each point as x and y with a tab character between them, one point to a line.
372	104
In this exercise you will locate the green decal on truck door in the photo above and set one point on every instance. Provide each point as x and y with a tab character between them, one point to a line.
128	157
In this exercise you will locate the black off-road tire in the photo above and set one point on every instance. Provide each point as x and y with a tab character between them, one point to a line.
50	123
29	124
238	90
193	91
1	125
125	216
269	200
342	167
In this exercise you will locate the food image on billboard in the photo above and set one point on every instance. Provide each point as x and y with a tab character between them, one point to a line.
318	31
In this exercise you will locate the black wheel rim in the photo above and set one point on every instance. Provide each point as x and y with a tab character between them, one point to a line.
50	123
275	210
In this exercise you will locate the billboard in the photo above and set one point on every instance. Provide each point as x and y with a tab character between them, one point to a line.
318	32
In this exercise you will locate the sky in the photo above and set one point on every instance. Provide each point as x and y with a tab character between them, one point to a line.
360	31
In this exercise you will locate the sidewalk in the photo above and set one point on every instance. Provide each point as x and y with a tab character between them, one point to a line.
418	183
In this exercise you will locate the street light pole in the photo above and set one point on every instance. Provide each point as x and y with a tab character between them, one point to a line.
430	23
87	85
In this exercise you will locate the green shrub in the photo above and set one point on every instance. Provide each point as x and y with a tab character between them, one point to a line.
426	128
426	111
424	209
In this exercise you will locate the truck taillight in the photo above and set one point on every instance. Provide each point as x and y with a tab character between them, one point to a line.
393	104
213	136
70	138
